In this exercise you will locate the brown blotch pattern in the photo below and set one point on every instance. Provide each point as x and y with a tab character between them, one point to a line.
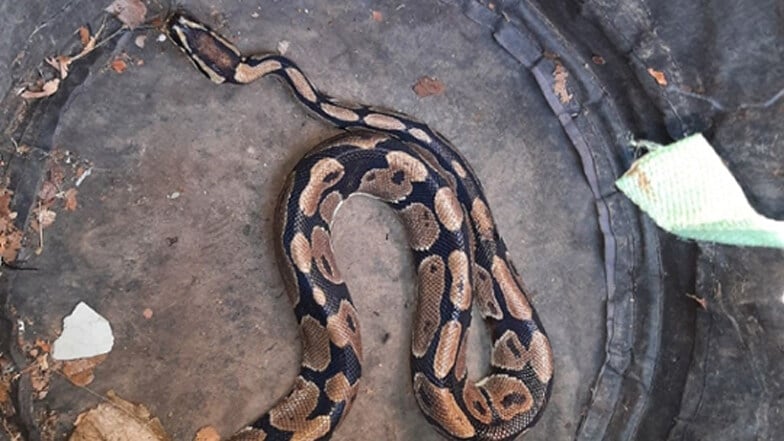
384	122
462	352
249	434
420	135
329	205
339	389
291	412
208	45
430	284
459	169
395	182
476	403
508	395
301	84
315	344
323	175
301	253
245	73
364	141
516	303
432	161
485	297
460	291
541	356
340	113
319	296
321	249
446	351
439	404
448	209
343	328
483	220
422	226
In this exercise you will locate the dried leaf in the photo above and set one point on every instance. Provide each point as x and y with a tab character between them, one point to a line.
658	76
700	301
10	244
47	192
45	217
130	12
61	63
428	86
42	345
560	75
377	16
207	433
70	199
119	65
49	88
84	35
81	372
118	420
147	313
598	59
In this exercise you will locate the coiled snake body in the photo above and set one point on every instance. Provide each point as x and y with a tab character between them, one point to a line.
459	255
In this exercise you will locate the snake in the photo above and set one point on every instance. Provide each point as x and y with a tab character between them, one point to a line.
461	263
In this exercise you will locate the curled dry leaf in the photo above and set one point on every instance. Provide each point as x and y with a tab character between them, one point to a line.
118	419
81	371
658	75
427	86
130	12
48	89
84	35
207	433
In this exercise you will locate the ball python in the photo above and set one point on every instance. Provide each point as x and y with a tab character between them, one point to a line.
460	261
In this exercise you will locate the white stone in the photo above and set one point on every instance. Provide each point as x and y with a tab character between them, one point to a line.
85	334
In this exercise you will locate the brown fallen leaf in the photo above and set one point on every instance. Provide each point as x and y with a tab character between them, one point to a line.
119	65
48	89
560	76
377	16
428	86
43	345
658	76
70	199
45	217
116	420
40	375
81	372
130	12
84	35
47	192
61	63
207	433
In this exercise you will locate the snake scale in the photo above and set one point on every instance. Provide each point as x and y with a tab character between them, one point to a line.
460	261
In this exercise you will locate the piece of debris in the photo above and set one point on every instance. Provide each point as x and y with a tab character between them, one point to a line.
119	65
173	195
40	375
255	14
658	76
598	59
377	16
85	334
560	75
80	176
130	12
283	46
207	433
48	89
147	313
118	420
700	301
70	199
140	40
10	236
81	372
428	86
161	38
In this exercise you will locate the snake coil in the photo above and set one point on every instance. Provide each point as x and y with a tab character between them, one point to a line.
459	255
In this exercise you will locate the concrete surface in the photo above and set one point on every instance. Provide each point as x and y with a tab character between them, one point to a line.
222	344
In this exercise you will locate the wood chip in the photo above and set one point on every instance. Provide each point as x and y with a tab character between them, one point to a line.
428	86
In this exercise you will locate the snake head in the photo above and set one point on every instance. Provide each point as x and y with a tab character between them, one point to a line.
210	53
